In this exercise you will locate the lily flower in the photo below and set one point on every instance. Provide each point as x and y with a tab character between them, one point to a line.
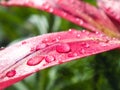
101	34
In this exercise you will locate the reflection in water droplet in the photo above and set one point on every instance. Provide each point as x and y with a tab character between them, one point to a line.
35	60
63	48
11	73
49	59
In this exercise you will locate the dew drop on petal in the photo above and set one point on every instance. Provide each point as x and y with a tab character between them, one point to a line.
51	10
32	50
96	32
35	60
102	44
71	54
45	40
87	45
24	42
72	31
40	46
11	73
2	48
49	58
63	48
82	51
78	35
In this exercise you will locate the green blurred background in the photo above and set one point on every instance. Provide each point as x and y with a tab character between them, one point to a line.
97	72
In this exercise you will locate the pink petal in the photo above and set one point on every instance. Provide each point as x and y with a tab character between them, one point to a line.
31	55
76	11
111	7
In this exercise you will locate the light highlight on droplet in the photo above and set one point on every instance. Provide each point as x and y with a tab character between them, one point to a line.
49	58
35	60
11	73
63	48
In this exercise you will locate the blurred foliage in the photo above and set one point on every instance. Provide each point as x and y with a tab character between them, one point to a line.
97	72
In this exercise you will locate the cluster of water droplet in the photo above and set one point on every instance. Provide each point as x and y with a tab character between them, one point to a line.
66	50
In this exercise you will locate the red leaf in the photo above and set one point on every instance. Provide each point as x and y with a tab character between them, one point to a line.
77	11
28	56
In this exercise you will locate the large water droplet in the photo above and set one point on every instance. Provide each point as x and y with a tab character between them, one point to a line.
63	48
49	58
35	60
11	73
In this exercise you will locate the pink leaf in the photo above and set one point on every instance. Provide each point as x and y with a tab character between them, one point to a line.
28	56
76	11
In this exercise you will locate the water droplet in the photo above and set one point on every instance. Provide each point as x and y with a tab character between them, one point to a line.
24	42
40	46
46	6
102	44
83	31
2	48
72	31
78	35
51	10
72	54
35	60
96	32
85	45
60	62
49	59
45	40
56	39
11	73
64	14
32	50
82	51
79	21
63	48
